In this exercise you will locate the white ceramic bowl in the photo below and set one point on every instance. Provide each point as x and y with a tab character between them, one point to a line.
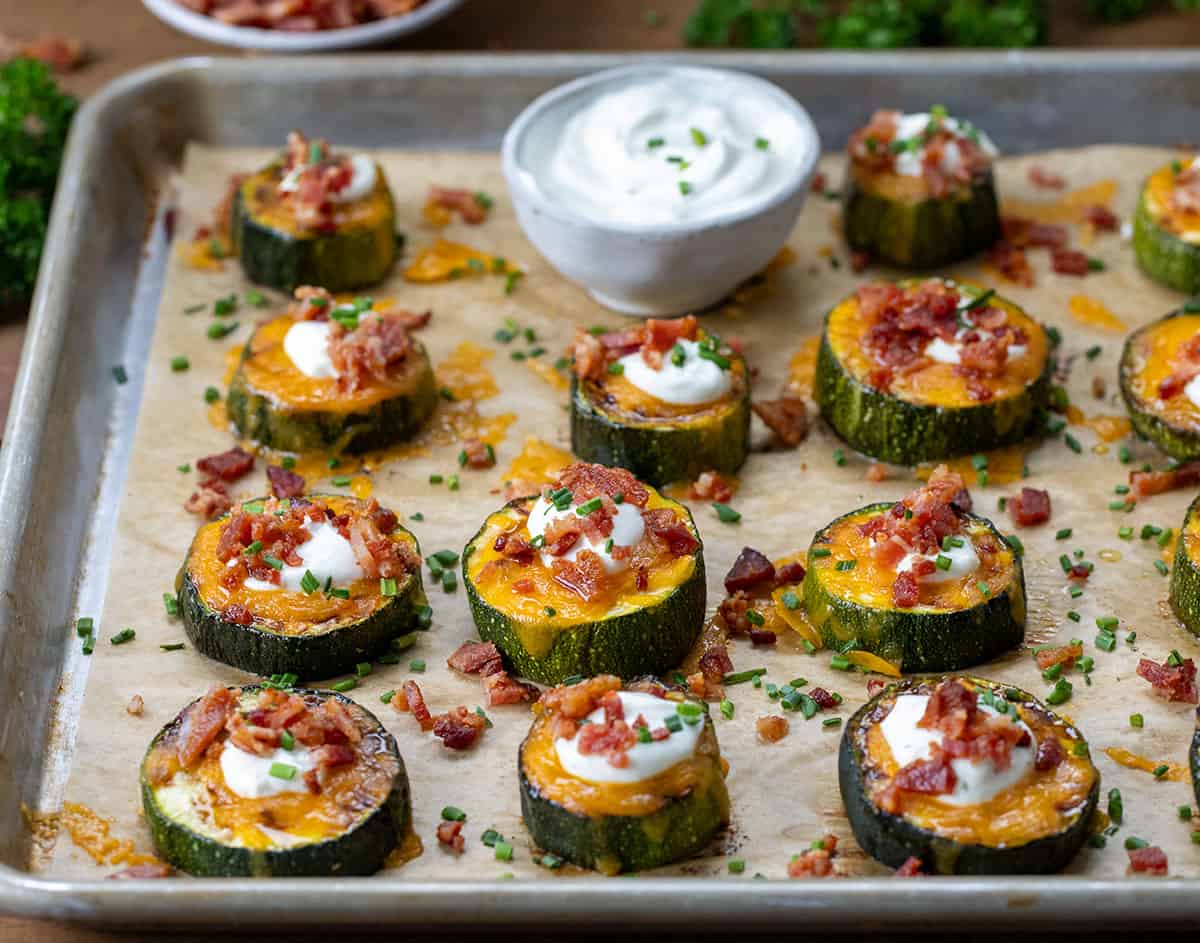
653	269
273	40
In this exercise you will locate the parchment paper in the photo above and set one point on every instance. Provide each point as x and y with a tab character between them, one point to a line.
783	795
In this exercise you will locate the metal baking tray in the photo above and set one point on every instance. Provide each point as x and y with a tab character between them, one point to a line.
66	445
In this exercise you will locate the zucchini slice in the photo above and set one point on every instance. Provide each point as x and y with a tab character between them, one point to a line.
346	244
854	598
619	418
882	390
579	611
1166	237
1184	594
217	810
666	805
1031	818
235	610
274	403
1156	367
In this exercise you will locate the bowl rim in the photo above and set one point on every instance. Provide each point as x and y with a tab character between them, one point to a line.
515	173
271	40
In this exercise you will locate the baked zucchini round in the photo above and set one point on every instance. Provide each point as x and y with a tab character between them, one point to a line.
919	190
332	378
315	217
1159	367
1185	571
665	803
906	797
667	400
921	583
260	782
1166	227
599	574
921	370
309	586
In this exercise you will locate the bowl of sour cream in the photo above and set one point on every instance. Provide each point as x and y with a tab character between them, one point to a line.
660	188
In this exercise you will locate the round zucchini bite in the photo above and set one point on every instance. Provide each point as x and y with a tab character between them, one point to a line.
308	586
260	782
314	216
1185	571
1010	791
621	780
666	400
599	574
1166	226
330	377
1159	369
926	369
921	583
919	190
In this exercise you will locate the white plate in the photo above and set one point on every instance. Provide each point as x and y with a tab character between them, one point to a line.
271	40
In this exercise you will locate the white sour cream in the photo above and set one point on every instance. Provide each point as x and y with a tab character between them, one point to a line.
963	562
645	759
363	176
1192	391
693	382
628	528
327	554
663	150
249	775
307	345
976	782
909	163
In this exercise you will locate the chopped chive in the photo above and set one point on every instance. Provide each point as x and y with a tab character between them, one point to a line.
1185	813
727	708
452	483
1137	721
1063	534
180	363
449	581
1116	807
173	647
726	514
1162	567
402	642
684	187
1165	537
287	740
1107	623
503	850
589	507
125	635
1061	692
309	583
347	684
219	329
1126	533
1161	771
845	565
1074	616
840	663
417	665
171	604
818	552
738	677
283	770
273	562
942	562
1106	641
754	617
453	813
1072	443
362	669
1133	843
839	457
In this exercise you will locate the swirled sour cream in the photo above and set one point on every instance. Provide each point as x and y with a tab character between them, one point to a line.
249	775
307	345
690	383
645	759
663	149
963	562
327	554
628	528
363	176
910	161
975	782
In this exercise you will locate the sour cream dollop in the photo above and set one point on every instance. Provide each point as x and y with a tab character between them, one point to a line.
628	528
694	381
976	782
327	554
950	351
909	162
645	759
963	562
664	149
307	345
1192	391
363	176
249	775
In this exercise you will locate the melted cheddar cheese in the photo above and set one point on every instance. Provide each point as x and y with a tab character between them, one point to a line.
1160	187
1152	353
262	200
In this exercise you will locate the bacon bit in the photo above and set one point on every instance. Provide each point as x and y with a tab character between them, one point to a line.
1030	507
586	481
1011	262
749	570
790	574
1069	262
459	729
284	483
209	500
310	303
1099	387
786	417
611	739
1040	177
661	336
1079	572
1146	484
517	548
1049	754
464	202
665	528
477	658
772	728
825	700
449	835
1150	860
906	591
135	706
818	182
877	472
1102	218
203	722
934	777
150	870
584	576
715	663
815	862
912	868
859	260
1065	655
573	702
1173	682
61	53
370	352
762	637
237	614
377	554
413	700
502	689
227	466
711	486
479	454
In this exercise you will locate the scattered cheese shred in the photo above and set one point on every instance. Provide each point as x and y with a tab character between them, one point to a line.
1093	313
1176	772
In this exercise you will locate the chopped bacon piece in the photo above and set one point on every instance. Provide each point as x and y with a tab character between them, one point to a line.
749	570
934	777
1065	655
664	527
587	356
135	706
870	149
449	835
502	689
877	472
237	614
284	483
906	591
1102	218
613	738
1069	262
1150	860
790	573
1011	262
1145	484
377	554
912	868
479	454
1080	572
148	870
586	481
859	260
661	336
573	702
715	663
210	499
459	729
515	548
1020	232
825	700
732	611
470	208
762	637
369	353
818	182
1049	754
413	700
584	576
227	466
1030	507
1039	176
874	686
310	303
710	486
1175	682
203	722
815	862
786	417
772	728
477	658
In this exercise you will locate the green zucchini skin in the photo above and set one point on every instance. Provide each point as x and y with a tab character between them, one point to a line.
683	827
915	640
927	234
1184	594
659	452
361	851
1177	442
892	839
644	642
1194	763
893	430
339	261
259	418
1162	255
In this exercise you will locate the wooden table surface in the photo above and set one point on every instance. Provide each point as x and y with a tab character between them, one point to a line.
122	36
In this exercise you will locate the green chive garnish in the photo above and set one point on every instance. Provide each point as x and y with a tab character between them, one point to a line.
283	771
726	514
125	635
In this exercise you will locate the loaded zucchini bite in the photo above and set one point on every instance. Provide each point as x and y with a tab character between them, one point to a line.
927	369
332	377
1185	571
919	189
621	780
922	583
314	216
1160	382
598	574
308	586
667	400
1166	226
968	776
260	782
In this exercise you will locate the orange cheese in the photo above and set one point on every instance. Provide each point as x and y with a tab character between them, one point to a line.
1154	351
